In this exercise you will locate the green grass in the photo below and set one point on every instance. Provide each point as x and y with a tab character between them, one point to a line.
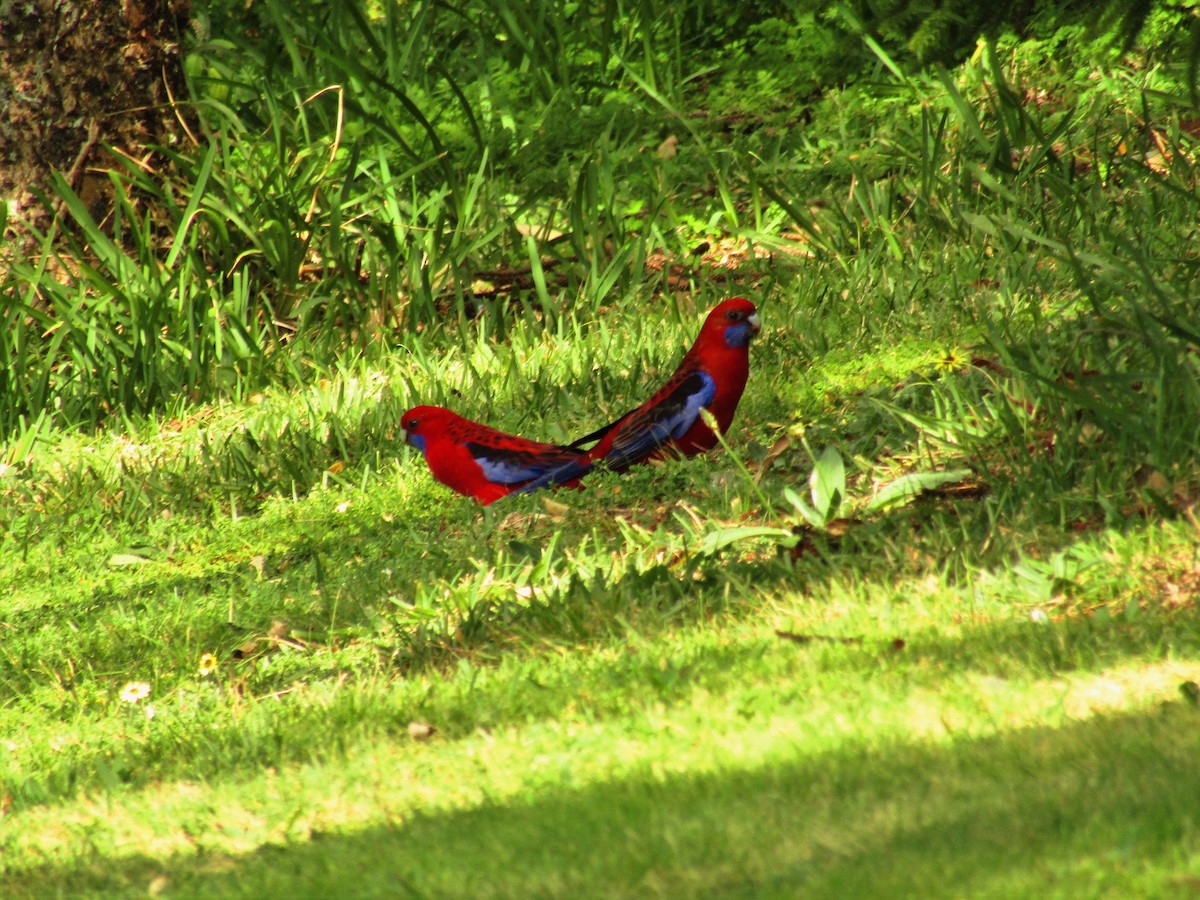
644	733
612	714
671	683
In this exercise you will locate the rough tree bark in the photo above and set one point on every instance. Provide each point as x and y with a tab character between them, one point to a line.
79	81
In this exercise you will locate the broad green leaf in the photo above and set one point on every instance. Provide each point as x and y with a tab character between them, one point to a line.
723	537
906	487
127	559
828	483
815	519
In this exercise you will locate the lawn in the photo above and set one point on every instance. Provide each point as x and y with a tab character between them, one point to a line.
925	626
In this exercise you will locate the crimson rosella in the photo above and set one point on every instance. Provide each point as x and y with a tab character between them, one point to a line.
476	460
711	376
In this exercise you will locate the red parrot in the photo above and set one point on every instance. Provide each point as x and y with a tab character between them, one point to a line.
479	461
712	375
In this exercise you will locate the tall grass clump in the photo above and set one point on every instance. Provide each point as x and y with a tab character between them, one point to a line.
1057	215
351	175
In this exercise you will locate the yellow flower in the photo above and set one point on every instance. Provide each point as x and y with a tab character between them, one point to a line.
208	664
950	360
135	692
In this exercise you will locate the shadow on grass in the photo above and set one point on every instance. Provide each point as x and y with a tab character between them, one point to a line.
580	615
1106	804
532	686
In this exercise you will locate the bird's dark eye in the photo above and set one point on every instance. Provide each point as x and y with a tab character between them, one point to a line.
735	315
412	424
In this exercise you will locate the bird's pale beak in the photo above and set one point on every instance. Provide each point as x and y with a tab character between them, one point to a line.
755	323
403	436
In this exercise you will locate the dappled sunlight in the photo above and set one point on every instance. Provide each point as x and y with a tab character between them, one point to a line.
757	771
974	704
922	625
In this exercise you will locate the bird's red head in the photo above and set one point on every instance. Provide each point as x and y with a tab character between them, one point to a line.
735	321
422	422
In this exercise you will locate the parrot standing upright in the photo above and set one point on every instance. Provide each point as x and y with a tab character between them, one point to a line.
711	376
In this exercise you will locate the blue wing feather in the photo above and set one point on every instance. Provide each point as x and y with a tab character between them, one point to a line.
504	466
669	419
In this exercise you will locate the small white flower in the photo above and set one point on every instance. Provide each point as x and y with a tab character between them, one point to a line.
135	692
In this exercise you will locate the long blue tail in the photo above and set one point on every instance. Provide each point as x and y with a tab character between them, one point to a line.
564	473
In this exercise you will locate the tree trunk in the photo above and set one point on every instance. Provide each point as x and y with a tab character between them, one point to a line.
80	81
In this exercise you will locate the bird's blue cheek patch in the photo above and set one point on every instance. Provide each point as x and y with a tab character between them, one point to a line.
737	335
418	441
